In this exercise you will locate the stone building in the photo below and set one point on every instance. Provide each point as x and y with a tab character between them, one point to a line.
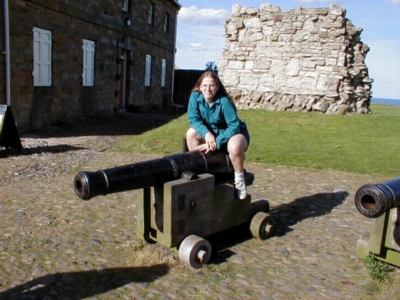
302	59
70	58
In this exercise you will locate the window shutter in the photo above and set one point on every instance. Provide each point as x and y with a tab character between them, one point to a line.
166	22
42	43
163	72
88	63
147	79
150	13
125	5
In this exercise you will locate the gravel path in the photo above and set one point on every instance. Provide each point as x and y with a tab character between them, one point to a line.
55	246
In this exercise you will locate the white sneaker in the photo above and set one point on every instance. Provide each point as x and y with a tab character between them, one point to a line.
241	191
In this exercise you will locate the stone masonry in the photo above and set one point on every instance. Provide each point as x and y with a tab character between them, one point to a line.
305	59
123	38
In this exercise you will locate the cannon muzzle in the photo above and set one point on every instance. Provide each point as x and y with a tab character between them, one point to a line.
150	173
373	200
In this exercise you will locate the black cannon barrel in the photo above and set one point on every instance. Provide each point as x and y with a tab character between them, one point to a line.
149	173
373	200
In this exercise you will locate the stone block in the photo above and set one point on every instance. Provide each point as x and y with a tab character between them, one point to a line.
236	65
293	67
321	106
270	8
249	65
337	10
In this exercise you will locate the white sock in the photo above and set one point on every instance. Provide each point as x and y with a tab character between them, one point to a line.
239	177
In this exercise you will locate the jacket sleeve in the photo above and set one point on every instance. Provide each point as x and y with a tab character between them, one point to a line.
195	120
232	123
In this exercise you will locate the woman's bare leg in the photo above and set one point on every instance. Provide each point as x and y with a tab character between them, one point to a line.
193	139
237	145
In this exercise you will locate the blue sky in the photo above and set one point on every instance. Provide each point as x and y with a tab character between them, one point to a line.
200	36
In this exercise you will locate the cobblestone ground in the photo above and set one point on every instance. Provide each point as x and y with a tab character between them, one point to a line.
55	246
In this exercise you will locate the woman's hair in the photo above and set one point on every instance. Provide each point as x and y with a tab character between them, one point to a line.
221	88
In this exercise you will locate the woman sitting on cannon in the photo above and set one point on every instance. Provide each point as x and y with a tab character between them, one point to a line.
215	125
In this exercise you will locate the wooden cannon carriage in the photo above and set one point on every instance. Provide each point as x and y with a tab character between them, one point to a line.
186	198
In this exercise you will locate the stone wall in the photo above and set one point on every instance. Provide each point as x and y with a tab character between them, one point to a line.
302	59
120	56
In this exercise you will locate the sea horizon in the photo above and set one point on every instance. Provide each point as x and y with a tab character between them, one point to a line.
385	101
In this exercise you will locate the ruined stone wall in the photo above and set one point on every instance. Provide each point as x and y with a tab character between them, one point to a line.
302	59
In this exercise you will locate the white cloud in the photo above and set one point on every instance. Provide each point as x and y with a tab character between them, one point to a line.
201	36
194	54
309	2
195	47
193	16
394	1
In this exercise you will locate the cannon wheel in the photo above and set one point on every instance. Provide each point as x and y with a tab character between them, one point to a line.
262	225
194	251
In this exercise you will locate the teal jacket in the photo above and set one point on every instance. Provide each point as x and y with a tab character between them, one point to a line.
220	119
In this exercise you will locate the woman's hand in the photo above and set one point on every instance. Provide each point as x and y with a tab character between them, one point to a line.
209	145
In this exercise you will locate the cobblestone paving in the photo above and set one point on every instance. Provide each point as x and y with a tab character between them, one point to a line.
55	246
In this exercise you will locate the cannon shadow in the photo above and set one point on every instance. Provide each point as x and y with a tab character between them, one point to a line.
83	284
316	205
286	215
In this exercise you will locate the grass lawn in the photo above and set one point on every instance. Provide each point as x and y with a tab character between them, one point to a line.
367	144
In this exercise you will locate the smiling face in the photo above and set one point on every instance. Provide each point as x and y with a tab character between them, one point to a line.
209	87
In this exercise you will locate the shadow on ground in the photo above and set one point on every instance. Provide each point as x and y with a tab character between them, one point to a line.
303	208
119	124
4	153
285	215
80	285
115	125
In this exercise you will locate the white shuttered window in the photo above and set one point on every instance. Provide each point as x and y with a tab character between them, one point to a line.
42	57
147	79
163	72
88	63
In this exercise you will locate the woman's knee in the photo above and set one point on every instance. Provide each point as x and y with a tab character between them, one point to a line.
237	144
191	134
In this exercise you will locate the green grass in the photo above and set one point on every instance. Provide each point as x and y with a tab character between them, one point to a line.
376	268
366	144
